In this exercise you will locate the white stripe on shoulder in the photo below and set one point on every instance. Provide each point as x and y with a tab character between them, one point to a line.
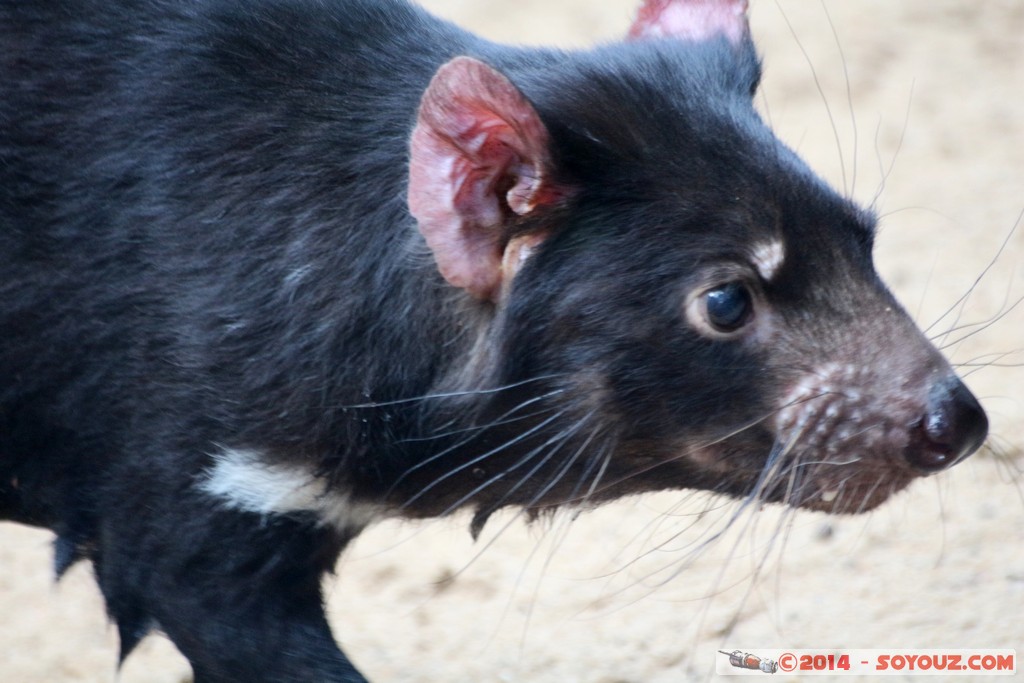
244	480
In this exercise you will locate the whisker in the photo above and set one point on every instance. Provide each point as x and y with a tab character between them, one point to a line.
849	95
717	440
980	326
559	440
821	92
451	394
778	455
977	364
896	153
480	458
602	456
792	475
963	298
557	477
649	531
559	538
517	516
526	508
500	421
460	444
605	461
742	507
647	468
870	493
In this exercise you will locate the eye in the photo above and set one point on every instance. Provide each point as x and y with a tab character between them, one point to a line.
729	307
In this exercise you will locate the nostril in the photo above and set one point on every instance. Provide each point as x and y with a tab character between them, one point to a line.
953	426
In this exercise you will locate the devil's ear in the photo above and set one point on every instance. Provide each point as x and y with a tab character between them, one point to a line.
694	20
479	156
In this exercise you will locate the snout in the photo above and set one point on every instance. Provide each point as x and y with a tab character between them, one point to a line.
856	438
953	426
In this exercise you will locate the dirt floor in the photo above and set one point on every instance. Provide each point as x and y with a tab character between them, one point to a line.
917	103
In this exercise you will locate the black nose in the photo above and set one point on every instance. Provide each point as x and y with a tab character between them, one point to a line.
953	426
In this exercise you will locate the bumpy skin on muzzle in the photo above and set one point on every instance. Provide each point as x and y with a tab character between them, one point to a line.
954	426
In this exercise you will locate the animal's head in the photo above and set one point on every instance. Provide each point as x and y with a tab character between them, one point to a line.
678	301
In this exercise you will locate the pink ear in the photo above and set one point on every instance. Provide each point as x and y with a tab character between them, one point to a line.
479	153
691	20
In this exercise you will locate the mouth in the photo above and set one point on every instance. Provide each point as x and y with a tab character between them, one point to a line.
855	498
840	489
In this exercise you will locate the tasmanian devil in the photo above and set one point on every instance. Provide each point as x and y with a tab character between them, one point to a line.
271	270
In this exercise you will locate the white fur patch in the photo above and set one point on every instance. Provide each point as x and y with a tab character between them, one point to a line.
245	481
768	258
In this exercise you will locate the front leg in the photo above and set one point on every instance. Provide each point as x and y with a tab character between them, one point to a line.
238	593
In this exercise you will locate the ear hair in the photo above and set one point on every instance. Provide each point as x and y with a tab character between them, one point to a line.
478	153
693	20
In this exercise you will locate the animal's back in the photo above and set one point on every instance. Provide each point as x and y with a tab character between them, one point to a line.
157	169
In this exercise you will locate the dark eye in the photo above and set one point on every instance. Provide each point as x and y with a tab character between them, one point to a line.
729	307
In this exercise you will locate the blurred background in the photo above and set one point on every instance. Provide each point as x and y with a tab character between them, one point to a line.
914	106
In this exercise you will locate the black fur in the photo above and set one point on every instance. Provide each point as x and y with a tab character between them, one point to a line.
205	244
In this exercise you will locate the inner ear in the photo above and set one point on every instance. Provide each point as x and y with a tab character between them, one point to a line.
694	20
479	157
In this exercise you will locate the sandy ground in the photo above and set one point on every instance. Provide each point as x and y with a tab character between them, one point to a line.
926	94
